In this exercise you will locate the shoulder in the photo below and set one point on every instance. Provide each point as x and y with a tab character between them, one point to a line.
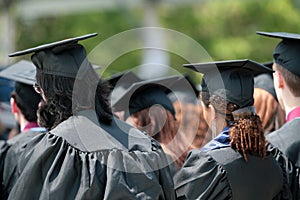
110	171
287	140
200	175
87	135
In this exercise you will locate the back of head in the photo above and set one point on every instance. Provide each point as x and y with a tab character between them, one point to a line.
69	85
27	100
286	58
232	97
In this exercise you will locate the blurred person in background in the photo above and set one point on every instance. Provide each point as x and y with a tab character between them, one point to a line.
146	106
7	122
266	102
24	105
189	112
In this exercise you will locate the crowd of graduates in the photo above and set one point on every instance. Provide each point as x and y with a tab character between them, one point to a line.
79	136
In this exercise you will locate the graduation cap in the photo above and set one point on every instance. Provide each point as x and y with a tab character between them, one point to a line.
123	79
63	58
232	79
265	81
144	94
184	90
22	71
120	82
286	53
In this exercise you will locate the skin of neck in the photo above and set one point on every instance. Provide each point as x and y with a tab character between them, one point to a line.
285	97
215	120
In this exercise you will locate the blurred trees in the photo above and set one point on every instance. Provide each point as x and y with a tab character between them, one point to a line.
226	29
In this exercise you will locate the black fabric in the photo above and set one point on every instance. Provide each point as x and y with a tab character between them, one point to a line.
150	96
286	52
257	173
231	80
80	160
291	172
224	174
69	61
145	93
53	45
10	152
287	140
22	71
119	83
184	91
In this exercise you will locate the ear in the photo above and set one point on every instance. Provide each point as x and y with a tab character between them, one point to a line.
280	80
13	104
213	114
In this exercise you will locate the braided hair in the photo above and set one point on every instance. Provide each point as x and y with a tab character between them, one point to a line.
246	131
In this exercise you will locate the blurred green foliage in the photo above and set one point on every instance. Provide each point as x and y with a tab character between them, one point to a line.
226	29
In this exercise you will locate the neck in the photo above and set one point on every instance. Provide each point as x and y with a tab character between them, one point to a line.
23	122
290	103
219	125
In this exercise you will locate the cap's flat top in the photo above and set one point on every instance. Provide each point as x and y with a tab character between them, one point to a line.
51	45
22	71
255	67
282	35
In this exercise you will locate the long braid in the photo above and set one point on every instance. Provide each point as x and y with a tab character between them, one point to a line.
247	136
246	133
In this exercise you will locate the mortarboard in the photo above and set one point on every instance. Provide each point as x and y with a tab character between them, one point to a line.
120	82
184	90
265	81
286	53
22	71
63	58
144	94
123	79
232	79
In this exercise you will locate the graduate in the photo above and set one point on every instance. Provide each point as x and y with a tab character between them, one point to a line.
87	152
286	83
146	106
266	102
235	163
24	105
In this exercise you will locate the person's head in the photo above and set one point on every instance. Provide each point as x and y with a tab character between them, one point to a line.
227	100
147	107
286	67
67	82
152	111
286	84
189	113
25	101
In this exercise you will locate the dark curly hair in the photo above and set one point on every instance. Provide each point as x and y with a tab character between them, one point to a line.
63	101
246	132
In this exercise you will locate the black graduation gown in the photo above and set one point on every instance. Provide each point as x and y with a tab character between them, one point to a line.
10	152
287	141
224	174
81	160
